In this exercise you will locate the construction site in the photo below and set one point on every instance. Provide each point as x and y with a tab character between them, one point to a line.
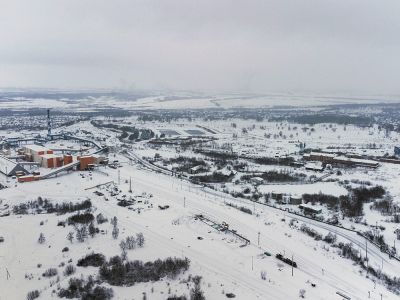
39	157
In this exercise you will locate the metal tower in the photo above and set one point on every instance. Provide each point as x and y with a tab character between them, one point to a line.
48	124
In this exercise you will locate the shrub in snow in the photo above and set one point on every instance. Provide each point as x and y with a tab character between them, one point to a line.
117	272
85	290
311	232
40	205
196	293
50	272
93	259
69	270
330	238
100	219
84	218
33	295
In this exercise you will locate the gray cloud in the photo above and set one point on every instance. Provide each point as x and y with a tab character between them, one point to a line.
226	45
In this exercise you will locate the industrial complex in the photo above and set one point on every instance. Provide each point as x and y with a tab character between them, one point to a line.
29	159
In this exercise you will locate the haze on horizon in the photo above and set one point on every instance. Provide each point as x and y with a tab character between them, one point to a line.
225	45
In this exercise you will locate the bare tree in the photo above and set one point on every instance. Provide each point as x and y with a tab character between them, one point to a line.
114	222
81	233
92	230
123	245
115	232
140	239
196	293
130	242
70	236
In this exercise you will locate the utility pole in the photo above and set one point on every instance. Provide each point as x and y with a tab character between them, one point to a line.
8	274
292	265
258	242
366	253
252	263
130	185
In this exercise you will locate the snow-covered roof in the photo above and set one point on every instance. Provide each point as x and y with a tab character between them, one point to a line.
36	148
258	179
47	156
9	167
323	154
356	160
196	168
315	166
314	208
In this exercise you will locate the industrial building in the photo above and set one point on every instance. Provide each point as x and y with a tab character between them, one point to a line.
10	168
310	209
330	158
34	152
51	160
86	162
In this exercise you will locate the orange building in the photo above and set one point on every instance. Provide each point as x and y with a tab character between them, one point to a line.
67	159
85	161
26	178
51	161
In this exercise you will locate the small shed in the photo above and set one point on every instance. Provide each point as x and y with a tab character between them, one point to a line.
10	168
309	209
197	169
296	199
314	166
257	180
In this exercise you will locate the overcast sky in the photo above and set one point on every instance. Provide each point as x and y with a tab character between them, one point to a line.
257	46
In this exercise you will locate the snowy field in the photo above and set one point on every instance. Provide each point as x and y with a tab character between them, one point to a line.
169	218
218	258
94	100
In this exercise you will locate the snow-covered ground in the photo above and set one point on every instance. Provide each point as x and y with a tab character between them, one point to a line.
224	265
87	101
